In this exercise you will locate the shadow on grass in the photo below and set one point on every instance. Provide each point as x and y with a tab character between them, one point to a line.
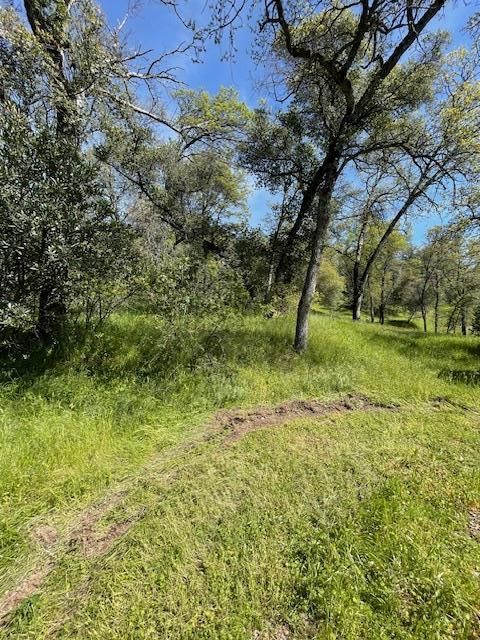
207	353
465	376
26	358
145	349
439	351
403	324
149	349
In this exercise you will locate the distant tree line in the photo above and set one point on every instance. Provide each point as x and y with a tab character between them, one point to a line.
123	189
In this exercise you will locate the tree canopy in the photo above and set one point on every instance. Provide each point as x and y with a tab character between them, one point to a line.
116	176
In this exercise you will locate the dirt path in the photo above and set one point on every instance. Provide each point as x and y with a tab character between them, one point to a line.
238	423
86	538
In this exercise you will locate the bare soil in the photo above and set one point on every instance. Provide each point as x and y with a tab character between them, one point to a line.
237	423
474	522
24	589
279	633
45	535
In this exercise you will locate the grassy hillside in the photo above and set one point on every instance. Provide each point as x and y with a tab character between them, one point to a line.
347	524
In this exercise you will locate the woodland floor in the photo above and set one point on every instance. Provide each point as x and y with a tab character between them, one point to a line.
231	489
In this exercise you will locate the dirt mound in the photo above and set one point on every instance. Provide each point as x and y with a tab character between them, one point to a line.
237	423
24	589
442	401
92	543
474	522
45	535
280	633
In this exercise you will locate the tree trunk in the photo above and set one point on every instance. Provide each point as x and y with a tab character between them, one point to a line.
381	314
359	280
357	304
372	309
358	292
271	275
382	297
323	220
424	318
437	305
452	320
322	174
284	266
463	320
274	265
51	313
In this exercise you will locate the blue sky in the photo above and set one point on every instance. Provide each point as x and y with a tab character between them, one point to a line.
153	26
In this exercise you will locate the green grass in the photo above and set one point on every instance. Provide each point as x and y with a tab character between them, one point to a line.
347	526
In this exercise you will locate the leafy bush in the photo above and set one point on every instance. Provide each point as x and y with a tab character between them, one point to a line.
476	321
330	285
182	284
60	238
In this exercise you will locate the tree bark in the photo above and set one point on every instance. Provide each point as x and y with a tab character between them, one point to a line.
51	313
309	287
322	174
358	280
424	318
372	309
437	305
383	303
270	280
463	320
357	302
